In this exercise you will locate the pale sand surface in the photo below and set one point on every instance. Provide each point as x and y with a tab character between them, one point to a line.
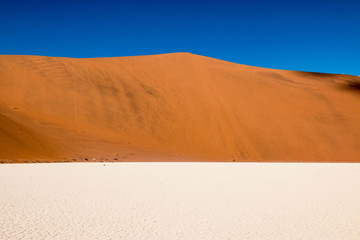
180	201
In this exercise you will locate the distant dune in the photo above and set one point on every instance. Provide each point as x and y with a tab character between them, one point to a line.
180	106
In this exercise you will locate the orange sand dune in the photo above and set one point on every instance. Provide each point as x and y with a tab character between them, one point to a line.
179	105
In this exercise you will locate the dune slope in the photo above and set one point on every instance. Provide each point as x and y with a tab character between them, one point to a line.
180	104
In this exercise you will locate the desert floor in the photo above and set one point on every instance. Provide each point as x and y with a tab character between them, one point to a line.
180	201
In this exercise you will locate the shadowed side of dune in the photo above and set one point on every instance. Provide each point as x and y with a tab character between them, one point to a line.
355	84
182	105
17	141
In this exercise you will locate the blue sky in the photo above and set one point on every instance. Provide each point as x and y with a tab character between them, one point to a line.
318	36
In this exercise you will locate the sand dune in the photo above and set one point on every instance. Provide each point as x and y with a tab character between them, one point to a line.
162	201
176	105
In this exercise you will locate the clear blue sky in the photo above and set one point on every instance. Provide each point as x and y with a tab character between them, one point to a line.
319	36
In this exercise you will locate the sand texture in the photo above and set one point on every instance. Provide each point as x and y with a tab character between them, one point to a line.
162	201
177	105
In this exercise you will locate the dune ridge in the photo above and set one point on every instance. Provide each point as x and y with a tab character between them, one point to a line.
179	105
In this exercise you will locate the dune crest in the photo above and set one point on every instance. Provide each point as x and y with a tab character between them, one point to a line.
180	104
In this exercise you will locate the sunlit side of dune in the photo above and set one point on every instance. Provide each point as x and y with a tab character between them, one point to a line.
180	104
